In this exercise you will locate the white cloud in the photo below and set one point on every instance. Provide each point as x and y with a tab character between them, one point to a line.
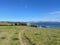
45	18
55	13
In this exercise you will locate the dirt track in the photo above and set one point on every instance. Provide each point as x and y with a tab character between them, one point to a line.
22	42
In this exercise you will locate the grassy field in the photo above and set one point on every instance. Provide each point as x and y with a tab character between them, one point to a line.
9	35
43	36
4	23
32	36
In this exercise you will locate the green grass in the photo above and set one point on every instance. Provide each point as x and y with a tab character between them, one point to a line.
9	33
33	36
4	23
43	36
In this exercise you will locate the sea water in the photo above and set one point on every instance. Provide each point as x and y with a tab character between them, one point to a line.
48	25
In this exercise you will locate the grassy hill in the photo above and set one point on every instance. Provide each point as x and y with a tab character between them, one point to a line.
13	23
4	24
9	35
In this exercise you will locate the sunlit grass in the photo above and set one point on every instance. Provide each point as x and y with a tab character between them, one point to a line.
9	33
43	36
35	36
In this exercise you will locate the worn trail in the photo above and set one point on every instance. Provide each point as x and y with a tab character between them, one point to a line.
22	42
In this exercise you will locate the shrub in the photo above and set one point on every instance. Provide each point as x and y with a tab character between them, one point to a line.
2	37
33	25
33	44
15	39
36	34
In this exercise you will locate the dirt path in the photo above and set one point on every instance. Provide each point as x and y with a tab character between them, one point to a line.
21	38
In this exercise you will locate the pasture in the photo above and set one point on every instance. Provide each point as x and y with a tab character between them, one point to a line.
9	35
43	36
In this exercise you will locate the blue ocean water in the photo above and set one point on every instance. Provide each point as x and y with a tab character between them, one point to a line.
49	24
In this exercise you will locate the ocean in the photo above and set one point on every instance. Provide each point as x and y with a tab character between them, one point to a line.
49	24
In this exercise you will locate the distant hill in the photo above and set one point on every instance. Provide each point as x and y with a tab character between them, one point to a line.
6	23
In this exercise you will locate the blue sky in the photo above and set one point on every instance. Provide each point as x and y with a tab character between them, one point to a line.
30	10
